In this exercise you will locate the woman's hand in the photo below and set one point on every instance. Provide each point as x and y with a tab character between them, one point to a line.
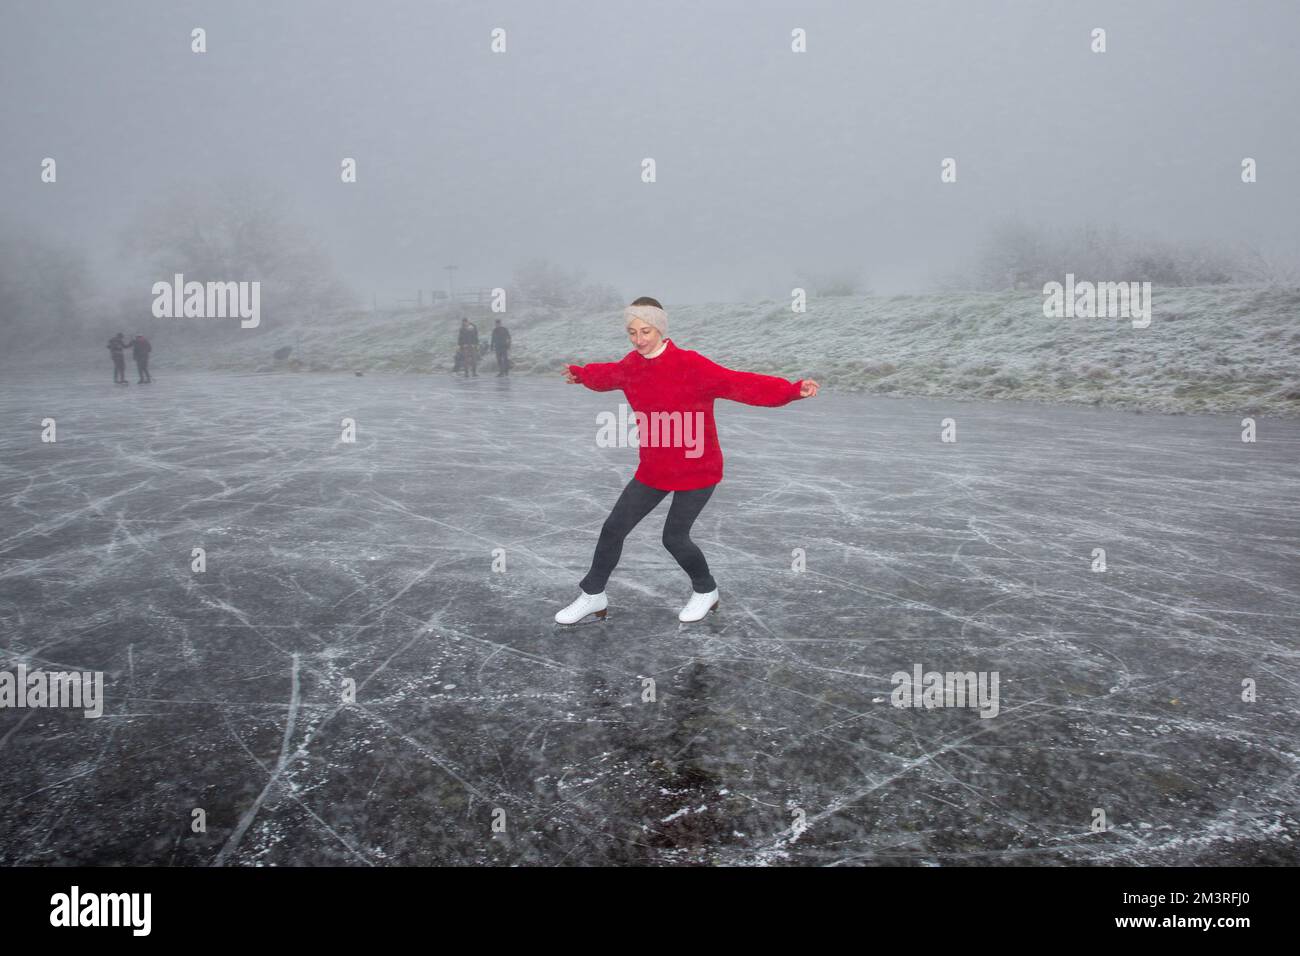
808	388
569	376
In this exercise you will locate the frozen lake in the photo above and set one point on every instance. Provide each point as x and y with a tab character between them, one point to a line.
374	562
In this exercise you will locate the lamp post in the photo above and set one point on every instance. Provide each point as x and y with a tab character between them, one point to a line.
451	283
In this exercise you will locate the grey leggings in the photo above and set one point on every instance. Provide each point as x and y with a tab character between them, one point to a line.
637	501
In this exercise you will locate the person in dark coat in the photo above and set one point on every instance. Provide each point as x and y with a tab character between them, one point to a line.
140	349
115	346
501	345
468	342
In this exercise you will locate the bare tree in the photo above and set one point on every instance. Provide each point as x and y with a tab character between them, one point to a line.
539	283
1018	256
1014	257
46	289
236	232
1256	267
830	283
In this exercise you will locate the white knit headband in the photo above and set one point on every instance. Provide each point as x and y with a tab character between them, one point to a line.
649	314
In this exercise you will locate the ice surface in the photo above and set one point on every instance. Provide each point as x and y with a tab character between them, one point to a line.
1119	690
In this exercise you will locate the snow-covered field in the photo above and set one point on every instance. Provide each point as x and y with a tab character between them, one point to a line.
1207	349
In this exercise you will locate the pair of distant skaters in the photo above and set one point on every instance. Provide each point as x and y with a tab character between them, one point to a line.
467	349
140	349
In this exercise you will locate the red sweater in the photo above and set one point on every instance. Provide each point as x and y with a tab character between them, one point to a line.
676	453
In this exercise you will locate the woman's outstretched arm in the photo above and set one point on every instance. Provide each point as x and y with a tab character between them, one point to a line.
751	388
597	376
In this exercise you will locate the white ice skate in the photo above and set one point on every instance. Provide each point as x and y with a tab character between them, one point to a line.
698	606
586	604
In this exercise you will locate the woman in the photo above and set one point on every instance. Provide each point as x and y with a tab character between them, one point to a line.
672	391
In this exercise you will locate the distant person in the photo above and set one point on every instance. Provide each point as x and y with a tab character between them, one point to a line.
469	347
501	345
140	349
115	346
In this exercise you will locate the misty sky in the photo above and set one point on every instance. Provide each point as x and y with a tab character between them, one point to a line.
768	161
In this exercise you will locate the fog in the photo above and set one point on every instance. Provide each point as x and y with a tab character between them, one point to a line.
315	527
770	164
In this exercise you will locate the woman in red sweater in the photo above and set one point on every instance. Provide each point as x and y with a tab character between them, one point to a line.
671	392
